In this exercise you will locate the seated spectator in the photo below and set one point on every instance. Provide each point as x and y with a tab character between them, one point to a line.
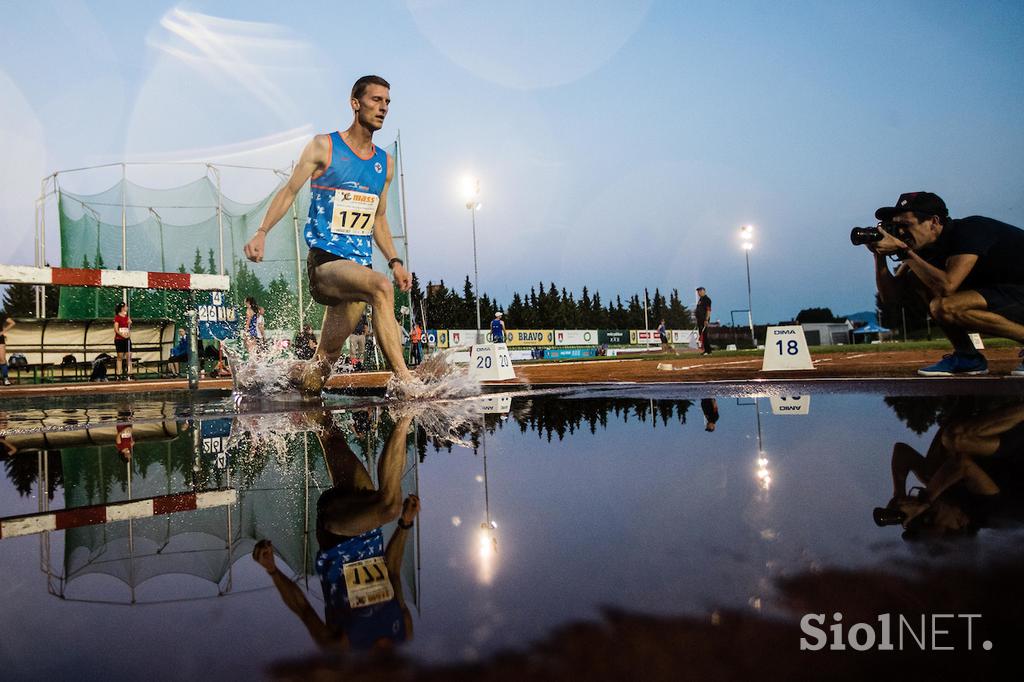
179	353
99	367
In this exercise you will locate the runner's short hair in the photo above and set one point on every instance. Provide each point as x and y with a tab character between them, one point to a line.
359	87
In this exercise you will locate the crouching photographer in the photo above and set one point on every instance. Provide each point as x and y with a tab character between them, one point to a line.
970	271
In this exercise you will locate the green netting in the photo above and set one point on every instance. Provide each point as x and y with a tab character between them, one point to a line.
179	229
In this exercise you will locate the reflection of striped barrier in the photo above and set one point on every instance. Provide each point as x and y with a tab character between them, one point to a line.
15	526
122	279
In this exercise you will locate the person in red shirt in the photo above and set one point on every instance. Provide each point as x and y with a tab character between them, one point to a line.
122	341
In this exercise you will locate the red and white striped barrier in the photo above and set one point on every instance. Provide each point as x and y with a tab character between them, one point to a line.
15	526
121	279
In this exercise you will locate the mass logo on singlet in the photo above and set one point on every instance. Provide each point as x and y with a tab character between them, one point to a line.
354	212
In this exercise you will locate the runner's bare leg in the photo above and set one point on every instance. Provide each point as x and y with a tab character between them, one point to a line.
349	281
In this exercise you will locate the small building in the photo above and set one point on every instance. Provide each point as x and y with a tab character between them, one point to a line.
828	333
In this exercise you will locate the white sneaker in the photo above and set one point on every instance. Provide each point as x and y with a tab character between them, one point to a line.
7	382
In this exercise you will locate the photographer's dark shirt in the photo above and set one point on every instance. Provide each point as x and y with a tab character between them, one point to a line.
703	306
999	247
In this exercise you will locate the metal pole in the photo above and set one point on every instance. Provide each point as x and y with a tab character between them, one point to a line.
37	291
220	218
750	304
193	342
476	274
647	324
487	496
298	264
124	226
405	231
903	313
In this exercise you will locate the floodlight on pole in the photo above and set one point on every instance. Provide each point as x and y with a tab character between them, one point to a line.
747	235
471	193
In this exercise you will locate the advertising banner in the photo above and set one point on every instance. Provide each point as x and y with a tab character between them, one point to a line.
530	337
613	337
684	337
575	337
644	336
563	353
437	338
461	337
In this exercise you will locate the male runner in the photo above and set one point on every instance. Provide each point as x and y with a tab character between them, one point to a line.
349	184
703	311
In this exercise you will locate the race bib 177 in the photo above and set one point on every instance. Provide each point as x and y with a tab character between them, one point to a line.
353	212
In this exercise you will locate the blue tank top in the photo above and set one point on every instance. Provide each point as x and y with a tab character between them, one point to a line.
364	625
496	332
343	202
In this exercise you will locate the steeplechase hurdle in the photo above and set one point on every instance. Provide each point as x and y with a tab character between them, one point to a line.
127	279
78	517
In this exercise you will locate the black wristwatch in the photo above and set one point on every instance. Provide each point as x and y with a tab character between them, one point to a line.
396	259
403	526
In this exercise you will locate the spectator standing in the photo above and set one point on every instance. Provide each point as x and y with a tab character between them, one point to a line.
6	324
663	337
122	341
251	331
703	312
357	341
498	328
416	341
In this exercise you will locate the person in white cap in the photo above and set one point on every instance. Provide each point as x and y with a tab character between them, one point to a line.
497	328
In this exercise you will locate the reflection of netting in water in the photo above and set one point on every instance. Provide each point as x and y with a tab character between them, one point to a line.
278	490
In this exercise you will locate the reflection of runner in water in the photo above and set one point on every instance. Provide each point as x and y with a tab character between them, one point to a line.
349	178
973	474
361	578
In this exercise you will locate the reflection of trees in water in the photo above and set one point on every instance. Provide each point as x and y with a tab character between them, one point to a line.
23	471
553	416
920	413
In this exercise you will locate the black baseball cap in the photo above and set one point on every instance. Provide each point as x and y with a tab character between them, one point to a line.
918	202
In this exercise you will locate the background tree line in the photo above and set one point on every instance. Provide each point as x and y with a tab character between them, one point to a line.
547	307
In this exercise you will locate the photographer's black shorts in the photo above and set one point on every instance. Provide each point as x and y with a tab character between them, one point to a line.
314	260
1005	299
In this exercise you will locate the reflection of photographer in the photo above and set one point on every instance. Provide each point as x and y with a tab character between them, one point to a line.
968	270
972	476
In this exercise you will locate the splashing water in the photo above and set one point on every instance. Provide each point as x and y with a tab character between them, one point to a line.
445	419
274	375
437	378
271	434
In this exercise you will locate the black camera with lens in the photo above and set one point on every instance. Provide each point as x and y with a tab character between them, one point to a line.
887	516
891	515
871	235
865	235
